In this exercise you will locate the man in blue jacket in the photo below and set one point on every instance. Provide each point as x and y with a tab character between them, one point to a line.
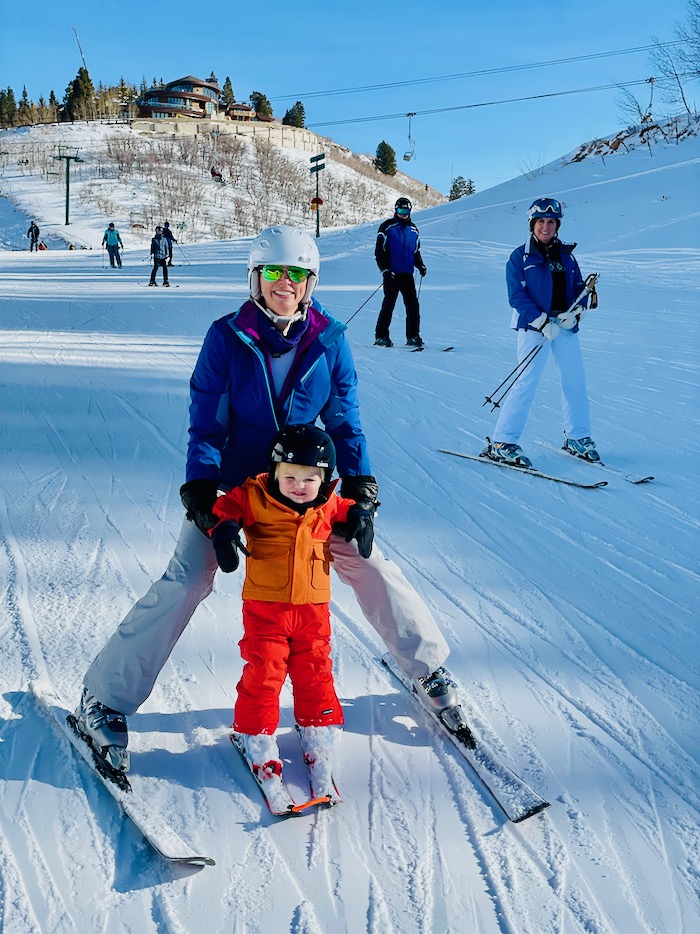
397	253
281	359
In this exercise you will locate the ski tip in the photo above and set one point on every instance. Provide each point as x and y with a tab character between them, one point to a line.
530	812
198	861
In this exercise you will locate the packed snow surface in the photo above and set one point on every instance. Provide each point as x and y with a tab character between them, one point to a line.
571	614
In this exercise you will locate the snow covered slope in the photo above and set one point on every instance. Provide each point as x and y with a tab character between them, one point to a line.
572	614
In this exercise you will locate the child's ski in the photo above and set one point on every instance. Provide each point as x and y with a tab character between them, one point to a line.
274	791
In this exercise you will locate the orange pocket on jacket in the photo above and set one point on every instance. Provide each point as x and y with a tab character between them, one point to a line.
320	565
268	567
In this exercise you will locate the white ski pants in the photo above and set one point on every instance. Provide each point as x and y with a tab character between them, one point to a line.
515	408
123	674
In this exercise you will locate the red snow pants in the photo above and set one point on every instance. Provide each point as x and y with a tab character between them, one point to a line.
281	639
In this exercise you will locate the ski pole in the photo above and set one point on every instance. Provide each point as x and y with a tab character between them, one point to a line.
183	255
588	288
522	365
364	303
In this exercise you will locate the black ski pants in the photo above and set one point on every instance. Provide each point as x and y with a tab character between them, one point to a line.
404	283
163	264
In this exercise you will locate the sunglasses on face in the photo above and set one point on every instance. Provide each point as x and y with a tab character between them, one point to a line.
275	273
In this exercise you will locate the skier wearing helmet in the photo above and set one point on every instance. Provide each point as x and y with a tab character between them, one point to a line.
159	255
280	359
544	280
397	253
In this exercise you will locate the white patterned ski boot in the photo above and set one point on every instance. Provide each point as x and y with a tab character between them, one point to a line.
506	453
583	447
318	744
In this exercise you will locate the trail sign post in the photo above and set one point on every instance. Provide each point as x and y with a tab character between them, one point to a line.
317	165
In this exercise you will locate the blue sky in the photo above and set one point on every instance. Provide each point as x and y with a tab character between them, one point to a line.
292	51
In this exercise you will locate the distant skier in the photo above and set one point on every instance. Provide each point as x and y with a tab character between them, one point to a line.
113	242
33	234
159	255
168	234
397	253
544	280
286	620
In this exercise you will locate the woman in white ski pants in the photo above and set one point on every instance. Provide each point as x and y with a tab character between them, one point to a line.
566	351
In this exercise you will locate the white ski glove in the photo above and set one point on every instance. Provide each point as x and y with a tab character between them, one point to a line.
548	327
570	319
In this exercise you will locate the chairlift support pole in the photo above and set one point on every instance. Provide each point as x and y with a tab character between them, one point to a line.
68	159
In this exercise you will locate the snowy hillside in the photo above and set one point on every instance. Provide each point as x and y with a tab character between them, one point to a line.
139	179
571	614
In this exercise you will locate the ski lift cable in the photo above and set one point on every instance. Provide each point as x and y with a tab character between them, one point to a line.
510	100
476	74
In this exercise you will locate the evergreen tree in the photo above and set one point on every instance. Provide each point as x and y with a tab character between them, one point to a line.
42	111
212	79
8	108
24	109
261	105
127	93
227	95
385	160
144	86
53	108
295	116
79	99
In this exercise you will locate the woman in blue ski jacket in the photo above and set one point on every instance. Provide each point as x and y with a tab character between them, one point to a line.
544	281
281	359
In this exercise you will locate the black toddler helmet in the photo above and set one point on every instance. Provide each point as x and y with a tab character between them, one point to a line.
403	203
306	445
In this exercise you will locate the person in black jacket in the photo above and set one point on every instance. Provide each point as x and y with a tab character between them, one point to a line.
33	234
159	255
397	253
168	234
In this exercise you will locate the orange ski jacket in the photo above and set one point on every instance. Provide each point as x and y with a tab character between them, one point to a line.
290	556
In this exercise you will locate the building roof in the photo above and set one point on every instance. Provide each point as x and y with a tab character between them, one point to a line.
190	79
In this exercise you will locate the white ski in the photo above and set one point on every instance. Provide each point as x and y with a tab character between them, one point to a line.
274	791
513	795
155	830
618	471
529	470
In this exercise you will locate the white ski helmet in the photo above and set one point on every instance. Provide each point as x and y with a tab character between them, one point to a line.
283	246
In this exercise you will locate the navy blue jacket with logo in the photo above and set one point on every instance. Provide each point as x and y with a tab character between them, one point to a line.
529	283
398	246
